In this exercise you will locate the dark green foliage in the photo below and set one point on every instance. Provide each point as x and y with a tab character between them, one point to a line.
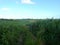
47	31
30	32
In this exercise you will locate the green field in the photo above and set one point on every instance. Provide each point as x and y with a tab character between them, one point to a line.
30	32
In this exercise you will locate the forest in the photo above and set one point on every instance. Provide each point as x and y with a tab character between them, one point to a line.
29	31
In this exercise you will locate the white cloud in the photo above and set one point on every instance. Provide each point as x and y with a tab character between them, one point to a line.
27	2
4	9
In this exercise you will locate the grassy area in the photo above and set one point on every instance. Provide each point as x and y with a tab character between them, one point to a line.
30	32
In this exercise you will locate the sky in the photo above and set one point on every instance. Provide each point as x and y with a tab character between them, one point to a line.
24	9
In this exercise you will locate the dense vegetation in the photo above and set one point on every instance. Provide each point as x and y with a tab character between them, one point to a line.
30	32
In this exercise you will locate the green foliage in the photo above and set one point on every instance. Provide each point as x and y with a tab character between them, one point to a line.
47	31
30	32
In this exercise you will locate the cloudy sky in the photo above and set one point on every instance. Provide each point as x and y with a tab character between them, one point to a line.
17	9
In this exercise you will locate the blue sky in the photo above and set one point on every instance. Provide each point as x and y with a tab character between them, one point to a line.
17	9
